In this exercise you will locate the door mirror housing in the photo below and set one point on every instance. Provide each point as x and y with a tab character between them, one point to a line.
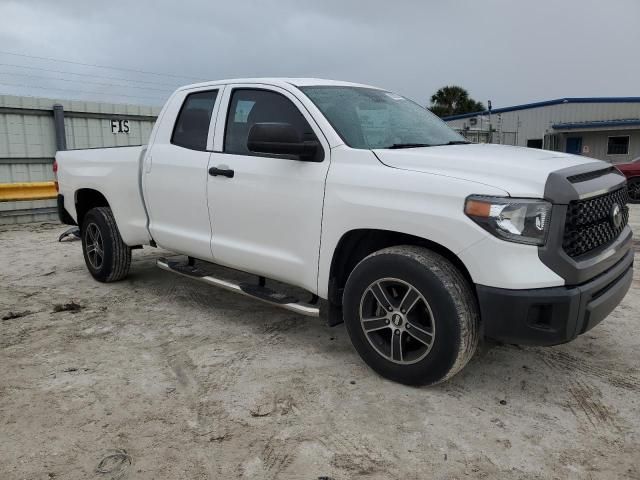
281	139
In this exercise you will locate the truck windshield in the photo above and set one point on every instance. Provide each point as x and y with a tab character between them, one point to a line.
368	118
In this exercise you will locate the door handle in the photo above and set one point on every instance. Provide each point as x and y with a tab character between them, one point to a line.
225	172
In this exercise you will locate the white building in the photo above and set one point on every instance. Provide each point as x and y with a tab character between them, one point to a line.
606	128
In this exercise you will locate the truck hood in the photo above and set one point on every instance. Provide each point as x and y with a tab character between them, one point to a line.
519	171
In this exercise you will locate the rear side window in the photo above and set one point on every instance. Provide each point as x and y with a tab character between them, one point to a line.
192	125
248	107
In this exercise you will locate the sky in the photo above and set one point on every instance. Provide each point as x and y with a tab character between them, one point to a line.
506	51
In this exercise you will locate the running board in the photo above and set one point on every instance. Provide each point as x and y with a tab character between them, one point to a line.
256	291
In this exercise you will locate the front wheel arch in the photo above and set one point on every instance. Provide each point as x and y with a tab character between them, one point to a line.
357	244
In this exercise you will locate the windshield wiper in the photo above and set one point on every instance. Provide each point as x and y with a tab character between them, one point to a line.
408	145
417	145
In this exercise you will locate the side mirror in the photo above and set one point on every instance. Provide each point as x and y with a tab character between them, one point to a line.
280	139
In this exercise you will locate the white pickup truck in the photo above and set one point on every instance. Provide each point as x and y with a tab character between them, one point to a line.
419	241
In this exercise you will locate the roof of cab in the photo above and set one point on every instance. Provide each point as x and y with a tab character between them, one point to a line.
279	81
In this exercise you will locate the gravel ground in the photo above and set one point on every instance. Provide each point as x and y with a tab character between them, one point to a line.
159	377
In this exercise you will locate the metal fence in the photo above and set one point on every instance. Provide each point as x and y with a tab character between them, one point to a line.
33	129
489	136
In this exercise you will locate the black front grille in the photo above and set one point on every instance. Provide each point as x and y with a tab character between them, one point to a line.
590	225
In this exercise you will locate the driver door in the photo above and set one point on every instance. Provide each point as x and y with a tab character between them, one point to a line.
266	218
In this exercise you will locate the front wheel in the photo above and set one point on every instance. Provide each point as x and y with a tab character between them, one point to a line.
411	315
107	257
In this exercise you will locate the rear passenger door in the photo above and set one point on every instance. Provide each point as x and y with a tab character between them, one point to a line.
266	219
175	174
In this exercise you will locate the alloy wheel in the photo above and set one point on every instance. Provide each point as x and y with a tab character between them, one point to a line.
95	247
397	321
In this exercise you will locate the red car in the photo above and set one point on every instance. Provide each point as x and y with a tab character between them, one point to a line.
631	170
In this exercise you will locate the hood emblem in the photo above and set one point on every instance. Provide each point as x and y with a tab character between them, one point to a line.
616	216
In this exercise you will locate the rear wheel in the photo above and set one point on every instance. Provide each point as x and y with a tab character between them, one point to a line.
633	187
411	315
107	257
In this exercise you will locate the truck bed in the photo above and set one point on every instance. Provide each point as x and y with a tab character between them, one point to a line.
115	173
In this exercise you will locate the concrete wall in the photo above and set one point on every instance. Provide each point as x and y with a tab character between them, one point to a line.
28	145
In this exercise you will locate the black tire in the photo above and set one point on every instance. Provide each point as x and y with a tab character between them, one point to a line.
633	187
448	307
114	263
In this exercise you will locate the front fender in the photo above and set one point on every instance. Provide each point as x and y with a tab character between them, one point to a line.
362	193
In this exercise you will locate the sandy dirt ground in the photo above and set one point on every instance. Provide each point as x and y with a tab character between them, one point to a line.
160	377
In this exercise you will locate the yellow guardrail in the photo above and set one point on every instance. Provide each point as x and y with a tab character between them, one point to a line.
13	192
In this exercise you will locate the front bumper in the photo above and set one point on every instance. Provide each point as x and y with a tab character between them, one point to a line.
551	316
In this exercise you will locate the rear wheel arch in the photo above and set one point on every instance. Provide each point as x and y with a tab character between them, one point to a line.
86	199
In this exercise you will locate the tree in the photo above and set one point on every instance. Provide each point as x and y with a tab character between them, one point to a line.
453	100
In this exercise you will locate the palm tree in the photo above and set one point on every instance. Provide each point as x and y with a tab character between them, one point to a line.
453	100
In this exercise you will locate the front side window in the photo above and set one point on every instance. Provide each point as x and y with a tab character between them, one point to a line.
368	118
192	125
250	106
618	145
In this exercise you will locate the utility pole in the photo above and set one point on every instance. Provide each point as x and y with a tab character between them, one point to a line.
490	133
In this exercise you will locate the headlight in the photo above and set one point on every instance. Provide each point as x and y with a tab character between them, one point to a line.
519	220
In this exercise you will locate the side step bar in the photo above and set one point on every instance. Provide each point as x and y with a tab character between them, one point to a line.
256	291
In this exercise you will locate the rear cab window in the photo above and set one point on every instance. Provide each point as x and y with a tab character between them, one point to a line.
192	125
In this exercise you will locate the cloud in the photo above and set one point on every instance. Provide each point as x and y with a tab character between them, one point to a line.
507	51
